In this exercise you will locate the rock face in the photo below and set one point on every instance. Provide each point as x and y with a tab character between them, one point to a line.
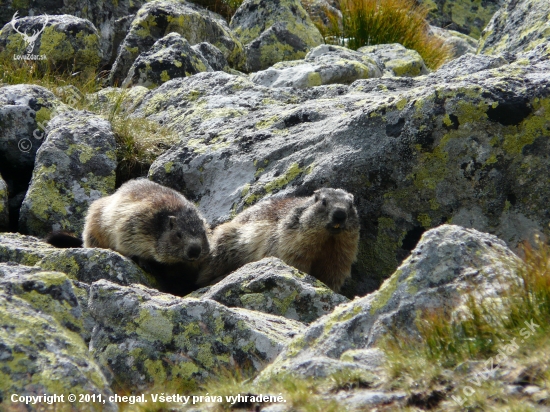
466	144
323	65
156	19
4	211
518	27
274	31
75	166
448	261
41	344
84	265
145	339
24	113
67	42
464	16
169	58
271	286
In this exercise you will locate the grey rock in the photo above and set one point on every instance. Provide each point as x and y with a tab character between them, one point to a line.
213	56
448	262
4	210
68	43
42	349
84	265
74	166
52	293
170	57
463	16
271	286
452	146
324	64
158	18
398	60
468	64
518	26
24	113
274	31
109	17
459	43
145	338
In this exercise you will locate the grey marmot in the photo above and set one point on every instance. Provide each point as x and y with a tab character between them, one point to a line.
149	221
318	235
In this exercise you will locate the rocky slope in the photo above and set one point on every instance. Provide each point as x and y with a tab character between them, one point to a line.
449	171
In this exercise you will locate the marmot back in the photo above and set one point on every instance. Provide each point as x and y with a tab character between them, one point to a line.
318	235
148	221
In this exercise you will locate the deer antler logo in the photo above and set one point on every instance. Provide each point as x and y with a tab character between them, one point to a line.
30	40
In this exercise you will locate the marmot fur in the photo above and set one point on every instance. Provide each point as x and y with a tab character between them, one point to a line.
318	235
148	221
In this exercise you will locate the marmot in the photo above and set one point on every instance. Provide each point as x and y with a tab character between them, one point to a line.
318	235
152	224
149	221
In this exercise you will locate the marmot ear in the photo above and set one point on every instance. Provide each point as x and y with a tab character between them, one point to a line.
172	220
316	193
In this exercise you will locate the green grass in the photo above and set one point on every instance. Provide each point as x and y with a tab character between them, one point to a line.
371	22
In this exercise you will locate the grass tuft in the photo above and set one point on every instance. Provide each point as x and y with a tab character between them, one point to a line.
454	352
371	22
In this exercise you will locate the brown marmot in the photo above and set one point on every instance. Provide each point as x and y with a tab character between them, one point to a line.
149	221
318	235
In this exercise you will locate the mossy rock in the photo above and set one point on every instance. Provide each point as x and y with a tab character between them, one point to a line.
65	43
518	27
398	60
271	286
84	265
148	339
447	261
75	166
325	64
465	16
42	325
274	31
170	57
158	18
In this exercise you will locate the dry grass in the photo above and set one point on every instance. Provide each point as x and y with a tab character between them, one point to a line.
371	22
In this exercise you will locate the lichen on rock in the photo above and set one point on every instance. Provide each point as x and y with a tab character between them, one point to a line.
274	31
141	341
75	166
271	286
84	265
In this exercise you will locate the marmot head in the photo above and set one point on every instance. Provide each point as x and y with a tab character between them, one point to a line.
183	237
332	209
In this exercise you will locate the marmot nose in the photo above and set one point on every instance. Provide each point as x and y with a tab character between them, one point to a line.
194	251
339	216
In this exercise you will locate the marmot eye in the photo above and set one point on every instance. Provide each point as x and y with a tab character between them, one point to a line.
324	202
178	234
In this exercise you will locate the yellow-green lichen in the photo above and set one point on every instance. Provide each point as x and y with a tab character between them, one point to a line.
385	292
283	304
152	325
292	172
